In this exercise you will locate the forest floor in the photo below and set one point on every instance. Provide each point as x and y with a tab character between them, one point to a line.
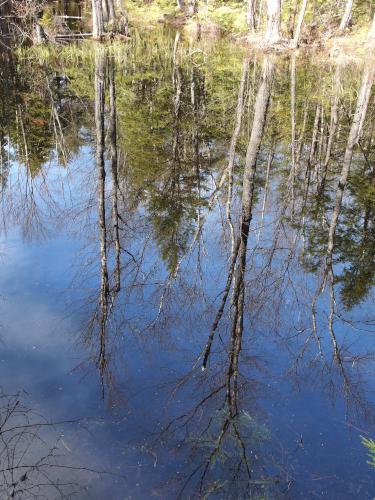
231	22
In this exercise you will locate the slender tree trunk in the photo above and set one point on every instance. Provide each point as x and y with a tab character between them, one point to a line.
114	172
250	16
260	14
347	15
233	144
297	32
332	128
97	19
354	135
293	127
371	34
229	169
100	167
273	22
292	19
259	121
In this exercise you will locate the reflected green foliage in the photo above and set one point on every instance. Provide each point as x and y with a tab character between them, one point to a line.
176	106
213	195
370	445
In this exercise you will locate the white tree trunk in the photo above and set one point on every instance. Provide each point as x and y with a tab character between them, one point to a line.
371	34
97	19
273	22
347	15
297	32
354	136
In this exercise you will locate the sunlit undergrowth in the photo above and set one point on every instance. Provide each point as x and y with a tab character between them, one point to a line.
225	17
321	19
150	13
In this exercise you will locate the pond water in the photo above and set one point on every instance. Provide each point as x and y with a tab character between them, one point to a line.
187	271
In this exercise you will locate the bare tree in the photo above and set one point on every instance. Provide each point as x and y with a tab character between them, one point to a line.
354	136
237	269
31	465
100	166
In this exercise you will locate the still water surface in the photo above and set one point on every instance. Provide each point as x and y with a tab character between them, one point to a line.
187	247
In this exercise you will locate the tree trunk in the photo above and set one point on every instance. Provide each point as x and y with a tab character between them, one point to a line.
273	22
229	169
354	135
250	16
297	33
292	19
97	19
114	170
111	14
347	15
371	34
248	185
40	36
100	168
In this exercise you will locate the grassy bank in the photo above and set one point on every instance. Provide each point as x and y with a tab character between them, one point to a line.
229	18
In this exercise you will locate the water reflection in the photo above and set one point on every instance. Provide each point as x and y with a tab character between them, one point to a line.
224	207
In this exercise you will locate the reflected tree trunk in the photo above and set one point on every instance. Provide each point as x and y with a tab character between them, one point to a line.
238	262
233	144
293	127
259	121
334	120
354	135
100	168
270	158
234	245
114	172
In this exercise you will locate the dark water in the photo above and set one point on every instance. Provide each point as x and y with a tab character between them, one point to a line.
168	206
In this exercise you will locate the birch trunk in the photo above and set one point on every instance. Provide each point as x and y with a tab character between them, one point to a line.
114	172
347	15
371	34
97	19
354	135
259	121
100	168
273	22
297	33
